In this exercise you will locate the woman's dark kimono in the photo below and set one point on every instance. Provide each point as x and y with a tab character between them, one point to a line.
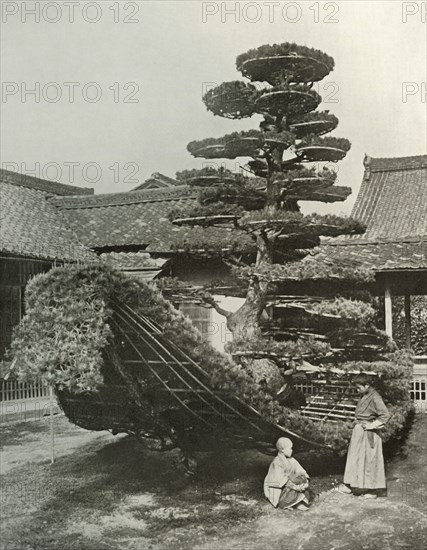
365	464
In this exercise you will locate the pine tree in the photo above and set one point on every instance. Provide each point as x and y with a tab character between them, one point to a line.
288	156
272	243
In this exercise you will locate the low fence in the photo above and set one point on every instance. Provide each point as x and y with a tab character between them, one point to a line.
11	390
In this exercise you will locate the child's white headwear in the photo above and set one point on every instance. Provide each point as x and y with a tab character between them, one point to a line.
282	443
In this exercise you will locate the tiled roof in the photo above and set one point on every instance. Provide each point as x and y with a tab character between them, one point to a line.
384	256
156	181
140	263
30	182
392	202
126	198
135	218
30	226
388	164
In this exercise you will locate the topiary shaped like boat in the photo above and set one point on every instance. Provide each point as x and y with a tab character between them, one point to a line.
122	358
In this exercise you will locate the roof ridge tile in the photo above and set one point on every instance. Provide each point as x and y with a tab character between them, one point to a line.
124	198
391	164
38	184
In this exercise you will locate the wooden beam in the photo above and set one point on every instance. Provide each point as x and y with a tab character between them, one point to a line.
407	321
388	309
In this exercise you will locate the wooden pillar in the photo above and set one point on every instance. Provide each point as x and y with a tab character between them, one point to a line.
52	426
407	321
388	309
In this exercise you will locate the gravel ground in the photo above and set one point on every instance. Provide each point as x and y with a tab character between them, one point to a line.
108	492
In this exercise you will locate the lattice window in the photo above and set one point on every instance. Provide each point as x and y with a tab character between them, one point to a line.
418	392
10	314
201	317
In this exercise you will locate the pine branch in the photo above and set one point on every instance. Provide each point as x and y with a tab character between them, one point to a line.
235	262
209	299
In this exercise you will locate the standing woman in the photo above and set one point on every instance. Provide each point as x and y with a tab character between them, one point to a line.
364	470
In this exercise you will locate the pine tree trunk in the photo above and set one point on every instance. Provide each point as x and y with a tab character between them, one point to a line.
244	324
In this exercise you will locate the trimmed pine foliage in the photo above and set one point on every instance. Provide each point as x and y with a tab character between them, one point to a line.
65	333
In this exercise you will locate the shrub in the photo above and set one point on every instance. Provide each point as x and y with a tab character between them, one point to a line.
65	332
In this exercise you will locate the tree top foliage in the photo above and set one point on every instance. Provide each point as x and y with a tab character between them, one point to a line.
292	158
314	64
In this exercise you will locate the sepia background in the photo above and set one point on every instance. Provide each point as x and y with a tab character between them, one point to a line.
152	61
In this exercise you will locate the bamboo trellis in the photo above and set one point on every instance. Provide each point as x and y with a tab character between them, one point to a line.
187	382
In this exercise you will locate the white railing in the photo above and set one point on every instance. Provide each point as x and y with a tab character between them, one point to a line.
11	390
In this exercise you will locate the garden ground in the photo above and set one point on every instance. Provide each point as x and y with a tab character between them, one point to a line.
106	492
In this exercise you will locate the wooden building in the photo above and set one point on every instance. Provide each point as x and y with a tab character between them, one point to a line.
392	202
132	231
157	181
33	237
46	222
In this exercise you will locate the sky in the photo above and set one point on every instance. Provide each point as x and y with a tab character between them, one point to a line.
138	71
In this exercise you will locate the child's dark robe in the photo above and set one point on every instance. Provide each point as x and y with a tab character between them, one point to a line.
365	463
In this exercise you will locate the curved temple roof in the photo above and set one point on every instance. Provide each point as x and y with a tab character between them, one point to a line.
392	202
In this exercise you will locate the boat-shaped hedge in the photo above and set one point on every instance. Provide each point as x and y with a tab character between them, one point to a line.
122	358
